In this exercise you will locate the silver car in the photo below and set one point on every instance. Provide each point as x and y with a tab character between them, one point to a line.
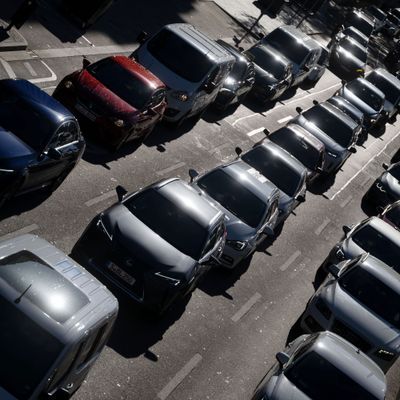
359	301
322	366
249	202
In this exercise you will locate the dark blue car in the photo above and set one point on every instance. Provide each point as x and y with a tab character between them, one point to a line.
40	140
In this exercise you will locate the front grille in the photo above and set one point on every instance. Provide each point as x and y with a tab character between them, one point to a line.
345	332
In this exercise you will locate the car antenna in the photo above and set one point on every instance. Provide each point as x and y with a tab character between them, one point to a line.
18	299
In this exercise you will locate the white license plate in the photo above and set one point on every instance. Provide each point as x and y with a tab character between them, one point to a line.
121	273
85	112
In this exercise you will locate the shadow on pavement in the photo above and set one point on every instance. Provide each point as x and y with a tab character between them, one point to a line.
295	331
322	184
367	206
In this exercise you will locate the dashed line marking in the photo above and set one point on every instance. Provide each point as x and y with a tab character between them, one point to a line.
283	120
179	377
100	198
29	67
290	260
346	201
255	131
170	169
324	224
246	307
22	231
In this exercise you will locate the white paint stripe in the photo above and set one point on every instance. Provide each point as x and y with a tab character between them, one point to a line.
29	67
246	307
346	201
47	88
84	37
170	169
100	198
363	168
22	231
283	120
290	260
324	224
255	131
53	76
179	377
8	69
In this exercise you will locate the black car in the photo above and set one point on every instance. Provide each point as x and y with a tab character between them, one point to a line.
273	72
40	140
360	21
154	244
239	81
349	109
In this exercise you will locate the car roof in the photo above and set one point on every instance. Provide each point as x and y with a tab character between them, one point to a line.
356	31
369	85
341	101
272	52
386	75
239	56
293	31
338	113
353	42
383	227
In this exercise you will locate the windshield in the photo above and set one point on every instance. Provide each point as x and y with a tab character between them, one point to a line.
128	87
330	124
27	351
179	56
268	62
355	50
393	215
366	94
273	167
235	197
378	245
360	23
392	94
356	36
394	170
293	49
169	221
373	294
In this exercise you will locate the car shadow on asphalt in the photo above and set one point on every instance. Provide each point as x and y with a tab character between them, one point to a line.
213	115
396	157
295	331
322	184
367	207
258	107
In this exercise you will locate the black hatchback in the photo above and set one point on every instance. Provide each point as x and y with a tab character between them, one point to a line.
40	140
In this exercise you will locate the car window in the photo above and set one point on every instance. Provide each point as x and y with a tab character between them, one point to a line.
366	94
392	93
268	62
394	170
353	49
393	215
67	133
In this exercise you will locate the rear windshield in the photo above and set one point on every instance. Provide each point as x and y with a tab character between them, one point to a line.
283	176
169	221
378	245
179	56
232	195
366	95
319	379
127	86
373	294
355	50
330	124
392	94
27	351
268	62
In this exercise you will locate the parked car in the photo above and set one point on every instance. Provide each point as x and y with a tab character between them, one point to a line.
319	67
392	24
154	244
368	99
302	145
281	169
120	99
386	188
239	82
348	108
352	32
334	128
249	202
390	87
377	15
273	73
391	214
322	366
291	43
361	21
40	140
348	58
359	301
193	66
55	320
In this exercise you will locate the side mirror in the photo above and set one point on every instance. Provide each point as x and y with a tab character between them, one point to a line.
54	153
142	37
346	229
315	102
266	131
282	358
301	198
352	149
193	173
385	166
238	151
85	62
334	270
299	110
121	192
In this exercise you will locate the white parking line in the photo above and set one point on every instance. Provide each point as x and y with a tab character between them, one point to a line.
51	78
283	120
7	67
179	377
290	260
22	231
324	224
29	67
345	202
255	131
246	307
170	169
100	198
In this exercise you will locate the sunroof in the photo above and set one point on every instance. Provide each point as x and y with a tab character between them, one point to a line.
42	285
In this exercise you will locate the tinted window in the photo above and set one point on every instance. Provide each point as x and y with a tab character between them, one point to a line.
66	134
232	195
27	351
373	294
123	83
354	49
283	176
179	56
268	62
169	221
378	245
320	380
393	215
360	39
395	171
366	95
391	92
360	23
43	286
330	124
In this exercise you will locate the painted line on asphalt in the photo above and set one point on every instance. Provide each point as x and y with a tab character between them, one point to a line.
170	169
179	377
255	131
52	78
346	201
100	198
246	307
29	67
290	260
7	67
363	168
324	224
22	231
283	120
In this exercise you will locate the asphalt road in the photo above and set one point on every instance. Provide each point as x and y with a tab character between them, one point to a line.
219	344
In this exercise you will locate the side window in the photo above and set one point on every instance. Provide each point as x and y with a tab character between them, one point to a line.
67	133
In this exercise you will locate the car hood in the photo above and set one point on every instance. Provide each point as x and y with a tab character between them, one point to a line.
391	184
144	244
353	99
263	77
286	390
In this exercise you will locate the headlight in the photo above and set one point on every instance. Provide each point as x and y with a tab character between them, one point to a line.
380	187
68	84
119	123
384	354
323	309
333	155
180	95
168	279
236	244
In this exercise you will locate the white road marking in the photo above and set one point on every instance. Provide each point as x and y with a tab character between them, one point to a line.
246	307
345	202
100	198
29	67
324	224
179	377
170	169
290	260
363	168
283	120
49	88
22	231
84	37
255	131
8	69
53	76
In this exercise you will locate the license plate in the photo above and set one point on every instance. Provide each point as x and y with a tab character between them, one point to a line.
121	273
85	112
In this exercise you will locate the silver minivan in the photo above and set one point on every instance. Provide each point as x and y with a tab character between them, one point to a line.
192	66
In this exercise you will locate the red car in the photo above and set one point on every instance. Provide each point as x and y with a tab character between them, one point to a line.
121	98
